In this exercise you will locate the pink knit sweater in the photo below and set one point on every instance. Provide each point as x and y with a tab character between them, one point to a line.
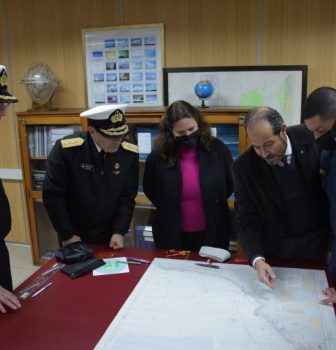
193	217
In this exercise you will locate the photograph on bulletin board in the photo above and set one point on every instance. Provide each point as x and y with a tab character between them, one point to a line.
123	64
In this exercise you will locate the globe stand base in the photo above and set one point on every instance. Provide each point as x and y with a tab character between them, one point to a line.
47	106
203	105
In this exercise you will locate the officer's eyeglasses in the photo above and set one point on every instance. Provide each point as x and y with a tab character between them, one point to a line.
4	106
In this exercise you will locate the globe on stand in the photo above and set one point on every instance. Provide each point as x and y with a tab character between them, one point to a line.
40	83
204	90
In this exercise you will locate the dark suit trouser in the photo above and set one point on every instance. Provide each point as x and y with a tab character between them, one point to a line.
5	272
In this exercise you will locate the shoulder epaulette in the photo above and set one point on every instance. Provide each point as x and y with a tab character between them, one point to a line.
76	141
130	147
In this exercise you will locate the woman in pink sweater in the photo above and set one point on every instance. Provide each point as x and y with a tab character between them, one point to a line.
188	178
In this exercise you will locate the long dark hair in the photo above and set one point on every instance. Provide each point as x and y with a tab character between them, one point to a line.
165	143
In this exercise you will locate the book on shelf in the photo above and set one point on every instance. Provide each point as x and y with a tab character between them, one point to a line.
233	247
38	179
144	237
145	231
228	134
146	135
143	244
41	139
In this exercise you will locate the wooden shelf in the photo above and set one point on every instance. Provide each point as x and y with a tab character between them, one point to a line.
38	219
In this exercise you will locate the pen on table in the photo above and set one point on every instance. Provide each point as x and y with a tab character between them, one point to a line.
208	265
42	289
138	260
129	262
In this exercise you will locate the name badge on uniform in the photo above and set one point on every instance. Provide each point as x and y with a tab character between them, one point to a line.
86	167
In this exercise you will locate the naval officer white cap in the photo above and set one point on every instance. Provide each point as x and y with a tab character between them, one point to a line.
108	120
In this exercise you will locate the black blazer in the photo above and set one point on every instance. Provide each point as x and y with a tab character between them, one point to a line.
163	186
5	227
260	217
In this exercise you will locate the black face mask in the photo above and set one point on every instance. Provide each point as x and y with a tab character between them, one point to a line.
327	141
188	141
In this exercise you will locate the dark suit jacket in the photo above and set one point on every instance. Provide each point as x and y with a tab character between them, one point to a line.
163	186
260	217
5	227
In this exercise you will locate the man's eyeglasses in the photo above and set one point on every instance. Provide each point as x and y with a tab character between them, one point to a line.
4	106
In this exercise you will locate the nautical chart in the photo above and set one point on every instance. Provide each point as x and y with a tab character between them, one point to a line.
179	305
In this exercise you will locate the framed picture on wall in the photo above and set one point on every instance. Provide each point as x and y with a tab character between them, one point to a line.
123	64
283	88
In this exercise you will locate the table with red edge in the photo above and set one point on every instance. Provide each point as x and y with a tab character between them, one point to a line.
75	313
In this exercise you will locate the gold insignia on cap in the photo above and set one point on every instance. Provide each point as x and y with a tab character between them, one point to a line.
130	147
76	141
8	98
117	166
323	171
3	80
117	116
122	130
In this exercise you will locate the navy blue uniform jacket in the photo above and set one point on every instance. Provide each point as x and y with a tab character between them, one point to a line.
82	199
